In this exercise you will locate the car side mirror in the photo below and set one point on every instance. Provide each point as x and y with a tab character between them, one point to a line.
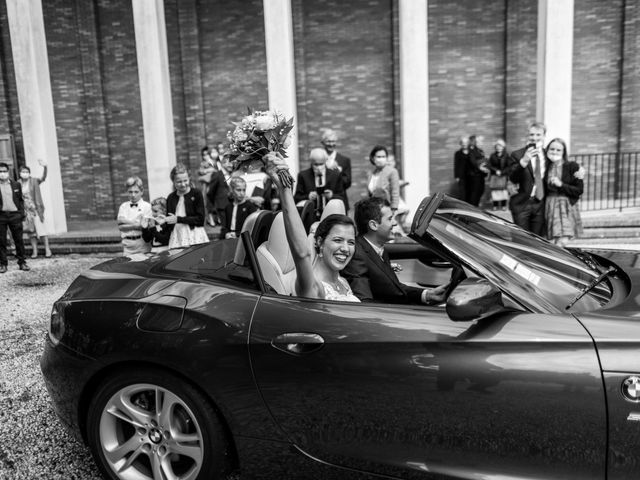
473	299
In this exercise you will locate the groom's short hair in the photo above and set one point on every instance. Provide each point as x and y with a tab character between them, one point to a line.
367	210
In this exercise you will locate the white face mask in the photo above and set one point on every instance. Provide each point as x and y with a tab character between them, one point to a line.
554	156
24	175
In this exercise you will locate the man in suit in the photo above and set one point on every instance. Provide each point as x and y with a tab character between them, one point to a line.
11	216
369	272
336	161
527	166
318	183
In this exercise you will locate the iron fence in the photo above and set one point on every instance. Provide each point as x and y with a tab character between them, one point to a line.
611	180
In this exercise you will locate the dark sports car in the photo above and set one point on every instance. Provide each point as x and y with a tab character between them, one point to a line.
193	363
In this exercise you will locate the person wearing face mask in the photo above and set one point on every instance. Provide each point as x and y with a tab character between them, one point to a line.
34	208
562	190
384	181
11	216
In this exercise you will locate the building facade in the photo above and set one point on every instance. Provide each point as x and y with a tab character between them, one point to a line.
105	89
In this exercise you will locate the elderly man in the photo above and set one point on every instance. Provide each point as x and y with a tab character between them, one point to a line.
337	161
318	183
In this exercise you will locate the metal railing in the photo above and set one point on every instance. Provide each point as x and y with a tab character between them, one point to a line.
611	180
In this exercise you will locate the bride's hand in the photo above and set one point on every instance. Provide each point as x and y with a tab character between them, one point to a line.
274	163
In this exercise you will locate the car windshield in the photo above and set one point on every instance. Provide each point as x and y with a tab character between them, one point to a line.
541	275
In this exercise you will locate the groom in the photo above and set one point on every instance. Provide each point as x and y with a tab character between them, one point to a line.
369	272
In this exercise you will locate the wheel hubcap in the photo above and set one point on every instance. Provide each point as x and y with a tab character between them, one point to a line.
149	433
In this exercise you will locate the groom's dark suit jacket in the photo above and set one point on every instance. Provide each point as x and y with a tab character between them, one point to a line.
372	278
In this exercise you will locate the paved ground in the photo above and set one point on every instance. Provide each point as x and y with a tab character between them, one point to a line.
33	444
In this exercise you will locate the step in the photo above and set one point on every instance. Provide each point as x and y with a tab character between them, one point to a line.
611	232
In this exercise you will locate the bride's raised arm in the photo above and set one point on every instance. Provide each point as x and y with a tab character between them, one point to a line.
306	283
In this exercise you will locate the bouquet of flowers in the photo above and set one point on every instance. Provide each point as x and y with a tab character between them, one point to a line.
257	134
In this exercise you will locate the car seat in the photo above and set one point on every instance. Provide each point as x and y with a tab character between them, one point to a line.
275	259
257	224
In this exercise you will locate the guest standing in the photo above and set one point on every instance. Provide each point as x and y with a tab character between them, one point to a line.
318	183
498	165
130	216
338	162
527	169
563	190
384	181
476	171
155	229
461	162
11	216
34	207
185	210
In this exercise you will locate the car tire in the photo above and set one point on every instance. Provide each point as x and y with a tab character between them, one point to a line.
143	424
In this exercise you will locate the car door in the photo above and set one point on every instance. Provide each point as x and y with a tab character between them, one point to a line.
404	391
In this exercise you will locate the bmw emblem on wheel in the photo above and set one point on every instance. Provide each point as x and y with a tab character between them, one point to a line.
631	388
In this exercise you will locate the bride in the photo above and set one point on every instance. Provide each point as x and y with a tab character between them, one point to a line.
318	276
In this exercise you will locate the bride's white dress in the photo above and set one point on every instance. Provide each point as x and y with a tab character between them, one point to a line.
331	293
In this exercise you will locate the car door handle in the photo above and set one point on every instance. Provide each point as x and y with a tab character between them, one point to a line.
298	343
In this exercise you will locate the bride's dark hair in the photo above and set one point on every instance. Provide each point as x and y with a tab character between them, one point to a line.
328	223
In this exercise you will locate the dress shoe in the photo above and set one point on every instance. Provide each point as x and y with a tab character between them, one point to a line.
3	269
25	267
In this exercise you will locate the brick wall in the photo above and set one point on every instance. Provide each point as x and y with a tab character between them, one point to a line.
92	60
521	70
183	43
233	63
596	76
344	78
482	79
466	79
630	128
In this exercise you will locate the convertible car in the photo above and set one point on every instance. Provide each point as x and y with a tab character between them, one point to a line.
198	362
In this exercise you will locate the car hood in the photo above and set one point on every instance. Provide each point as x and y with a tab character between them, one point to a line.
121	277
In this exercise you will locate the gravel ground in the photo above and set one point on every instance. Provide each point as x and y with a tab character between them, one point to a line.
33	443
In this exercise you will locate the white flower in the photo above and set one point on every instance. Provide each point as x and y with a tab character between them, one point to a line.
265	121
239	135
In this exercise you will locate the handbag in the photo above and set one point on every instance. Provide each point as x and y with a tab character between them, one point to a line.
497	183
28	225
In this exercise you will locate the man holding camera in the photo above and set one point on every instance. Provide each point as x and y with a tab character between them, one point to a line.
526	173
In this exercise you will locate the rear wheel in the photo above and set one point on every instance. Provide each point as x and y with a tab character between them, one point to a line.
149	425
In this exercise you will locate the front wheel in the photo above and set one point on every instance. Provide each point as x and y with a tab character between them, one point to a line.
149	425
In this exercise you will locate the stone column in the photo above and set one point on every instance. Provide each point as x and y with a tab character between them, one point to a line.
278	29
155	94
555	60
31	64
414	99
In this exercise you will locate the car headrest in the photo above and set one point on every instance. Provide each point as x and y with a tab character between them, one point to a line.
334	206
257	224
307	211
278	246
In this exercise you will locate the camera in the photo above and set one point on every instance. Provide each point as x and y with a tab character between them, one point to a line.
530	145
